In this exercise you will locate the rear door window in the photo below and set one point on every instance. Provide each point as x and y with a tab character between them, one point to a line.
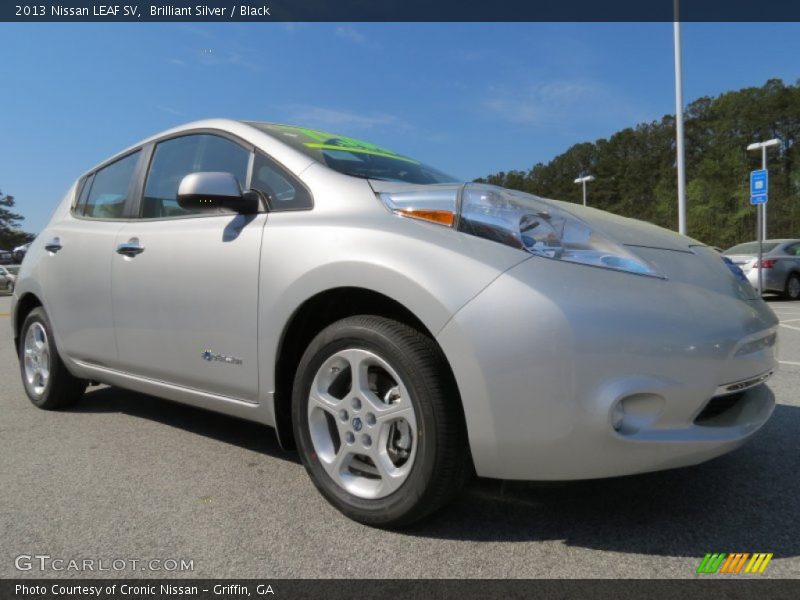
110	189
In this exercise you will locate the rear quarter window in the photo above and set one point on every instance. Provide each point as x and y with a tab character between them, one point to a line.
86	185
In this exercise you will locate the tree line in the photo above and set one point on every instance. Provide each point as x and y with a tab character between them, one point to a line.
635	168
11	235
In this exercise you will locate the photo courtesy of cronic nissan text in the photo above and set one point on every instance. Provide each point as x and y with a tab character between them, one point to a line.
306	300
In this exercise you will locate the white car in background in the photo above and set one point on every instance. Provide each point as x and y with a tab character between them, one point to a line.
8	277
780	262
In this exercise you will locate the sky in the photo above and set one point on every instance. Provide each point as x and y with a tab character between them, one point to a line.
470	99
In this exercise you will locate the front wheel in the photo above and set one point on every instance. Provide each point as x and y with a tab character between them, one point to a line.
378	421
793	287
47	381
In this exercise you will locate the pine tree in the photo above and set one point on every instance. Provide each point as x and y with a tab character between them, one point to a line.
10	234
635	167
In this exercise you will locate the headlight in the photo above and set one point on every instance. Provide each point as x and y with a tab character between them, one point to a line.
523	221
518	220
431	203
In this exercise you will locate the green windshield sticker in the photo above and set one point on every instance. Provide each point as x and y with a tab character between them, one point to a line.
320	136
323	140
358	150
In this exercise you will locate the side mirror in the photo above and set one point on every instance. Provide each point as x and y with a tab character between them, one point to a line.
213	190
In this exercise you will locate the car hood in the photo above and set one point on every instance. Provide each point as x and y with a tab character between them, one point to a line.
672	255
630	232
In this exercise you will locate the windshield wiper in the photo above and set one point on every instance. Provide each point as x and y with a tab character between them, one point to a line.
363	176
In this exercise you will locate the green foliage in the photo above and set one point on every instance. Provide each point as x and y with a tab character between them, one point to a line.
636	175
10	234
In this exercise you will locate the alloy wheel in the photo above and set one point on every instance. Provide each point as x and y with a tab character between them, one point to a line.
793	287
37	358
362	423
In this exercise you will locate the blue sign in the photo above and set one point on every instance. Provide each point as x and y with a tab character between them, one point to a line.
760	199
759	184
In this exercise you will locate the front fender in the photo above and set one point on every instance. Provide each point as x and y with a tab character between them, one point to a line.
429	270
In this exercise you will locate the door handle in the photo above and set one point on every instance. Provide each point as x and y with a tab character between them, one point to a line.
130	248
53	245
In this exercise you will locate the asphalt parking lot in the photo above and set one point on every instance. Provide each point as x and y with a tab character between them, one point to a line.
124	475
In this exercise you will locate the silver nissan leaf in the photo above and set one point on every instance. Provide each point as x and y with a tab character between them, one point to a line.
403	330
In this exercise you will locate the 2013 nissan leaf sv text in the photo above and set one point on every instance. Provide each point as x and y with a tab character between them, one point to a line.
403	330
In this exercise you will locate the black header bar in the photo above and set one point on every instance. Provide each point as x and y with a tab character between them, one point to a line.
399	10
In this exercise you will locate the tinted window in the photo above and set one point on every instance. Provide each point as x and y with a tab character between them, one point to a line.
283	191
793	250
110	189
354	157
174	159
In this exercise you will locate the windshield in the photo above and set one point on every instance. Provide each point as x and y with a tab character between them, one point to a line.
750	248
12	270
354	157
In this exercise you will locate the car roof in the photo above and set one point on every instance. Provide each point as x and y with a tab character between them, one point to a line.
778	241
278	149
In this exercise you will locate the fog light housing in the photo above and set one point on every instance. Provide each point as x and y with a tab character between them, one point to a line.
617	416
635	412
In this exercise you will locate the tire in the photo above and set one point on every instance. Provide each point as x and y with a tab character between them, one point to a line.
46	380
402	448
792	291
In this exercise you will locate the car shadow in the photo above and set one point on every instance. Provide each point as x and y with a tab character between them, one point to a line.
236	226
745	501
229	430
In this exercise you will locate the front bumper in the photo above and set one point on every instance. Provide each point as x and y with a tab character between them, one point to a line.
573	372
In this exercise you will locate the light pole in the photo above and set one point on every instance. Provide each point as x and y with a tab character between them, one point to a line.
763	147
584	180
679	123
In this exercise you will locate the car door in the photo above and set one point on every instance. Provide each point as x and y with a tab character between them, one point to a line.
186	302
75	270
